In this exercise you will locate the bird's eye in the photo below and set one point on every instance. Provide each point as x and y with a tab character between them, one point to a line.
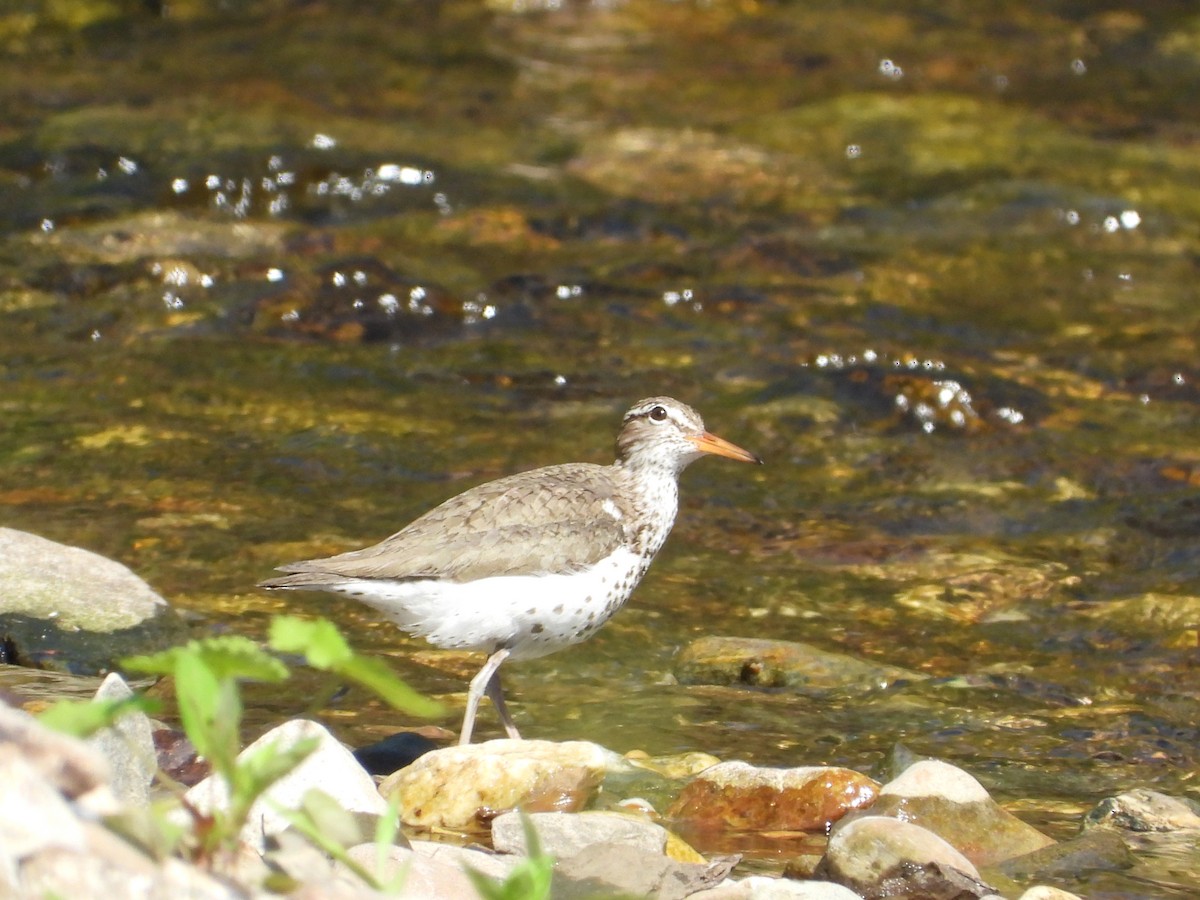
658	414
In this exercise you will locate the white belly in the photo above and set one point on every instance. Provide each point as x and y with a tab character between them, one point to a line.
531	615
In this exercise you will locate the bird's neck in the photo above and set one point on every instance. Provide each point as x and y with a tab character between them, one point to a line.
654	495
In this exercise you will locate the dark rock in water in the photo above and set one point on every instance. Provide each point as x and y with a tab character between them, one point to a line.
71	610
393	752
1095	850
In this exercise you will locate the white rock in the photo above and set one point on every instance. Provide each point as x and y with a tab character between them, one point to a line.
1045	892
330	768
764	888
934	778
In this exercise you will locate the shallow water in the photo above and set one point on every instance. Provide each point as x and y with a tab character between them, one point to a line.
276	279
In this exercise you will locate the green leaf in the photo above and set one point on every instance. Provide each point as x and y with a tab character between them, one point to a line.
377	677
210	709
228	656
319	642
331	829
83	718
324	647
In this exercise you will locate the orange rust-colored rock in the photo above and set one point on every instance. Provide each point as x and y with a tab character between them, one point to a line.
740	797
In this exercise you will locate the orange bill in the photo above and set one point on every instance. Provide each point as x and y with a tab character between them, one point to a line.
710	443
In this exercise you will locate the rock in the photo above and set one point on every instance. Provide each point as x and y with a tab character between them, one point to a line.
127	745
738	796
681	765
1096	849
630	871
1144	810
68	765
465	787
66	608
430	871
879	856
330	768
1169	618
1045	892
563	834
493	865
766	663
109	867
36	816
761	887
951	803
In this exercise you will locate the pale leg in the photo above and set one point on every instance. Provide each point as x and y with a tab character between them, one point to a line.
481	684
496	692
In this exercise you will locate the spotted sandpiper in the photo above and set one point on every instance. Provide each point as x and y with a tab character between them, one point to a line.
528	564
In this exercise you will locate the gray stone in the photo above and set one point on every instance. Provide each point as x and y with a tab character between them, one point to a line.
565	834
43	579
127	745
627	870
420	877
65	607
493	865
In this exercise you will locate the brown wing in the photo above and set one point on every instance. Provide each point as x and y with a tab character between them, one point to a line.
557	519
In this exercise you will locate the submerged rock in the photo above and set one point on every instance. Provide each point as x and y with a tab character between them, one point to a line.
1097	850
758	662
69	609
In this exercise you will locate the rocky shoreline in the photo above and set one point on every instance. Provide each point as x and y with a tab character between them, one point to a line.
933	831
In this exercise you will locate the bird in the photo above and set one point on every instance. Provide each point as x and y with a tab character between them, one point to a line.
530	563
